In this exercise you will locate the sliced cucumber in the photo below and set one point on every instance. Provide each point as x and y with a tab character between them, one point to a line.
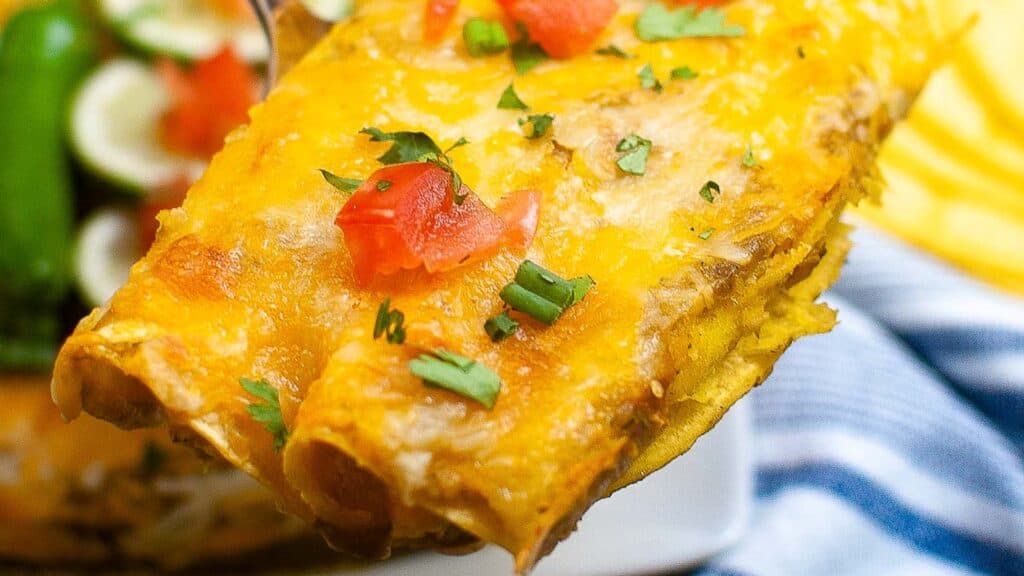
114	128
183	29
107	247
329	10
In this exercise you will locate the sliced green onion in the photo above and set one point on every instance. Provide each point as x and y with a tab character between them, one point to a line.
580	287
500	327
458	374
484	37
521	299
544	283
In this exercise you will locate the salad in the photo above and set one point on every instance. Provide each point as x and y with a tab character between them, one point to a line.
105	125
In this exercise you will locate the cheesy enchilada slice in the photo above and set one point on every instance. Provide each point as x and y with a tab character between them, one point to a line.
703	203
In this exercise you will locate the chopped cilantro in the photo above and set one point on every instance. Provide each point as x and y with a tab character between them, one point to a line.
526	55
418	147
484	37
383	185
684	73
539	124
749	161
647	78
407	147
458	144
613	50
800	52
659	23
510	100
706	234
708	191
389	323
464	376
346	185
636	149
267	413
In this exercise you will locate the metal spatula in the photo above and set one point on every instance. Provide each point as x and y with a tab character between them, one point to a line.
292	30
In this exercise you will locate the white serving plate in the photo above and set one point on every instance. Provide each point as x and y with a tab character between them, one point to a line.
673	520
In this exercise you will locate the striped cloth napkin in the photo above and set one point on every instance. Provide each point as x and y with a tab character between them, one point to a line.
895	444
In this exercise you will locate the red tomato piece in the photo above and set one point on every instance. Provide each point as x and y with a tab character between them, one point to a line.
438	16
521	214
165	197
208	102
414	222
564	28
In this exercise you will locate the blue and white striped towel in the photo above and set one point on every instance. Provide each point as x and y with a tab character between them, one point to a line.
895	444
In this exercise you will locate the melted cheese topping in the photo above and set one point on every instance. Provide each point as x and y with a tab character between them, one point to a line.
250	278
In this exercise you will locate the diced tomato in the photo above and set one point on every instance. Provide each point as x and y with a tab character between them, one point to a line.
564	28
415	222
438	16
165	197
521	214
208	102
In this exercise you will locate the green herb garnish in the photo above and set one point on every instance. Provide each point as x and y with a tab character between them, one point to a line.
748	158
659	23
383	185
684	73
647	78
484	37
269	412
542	294
418	147
706	234
613	50
708	191
800	52
636	149
444	162
153	459
407	147
500	327
346	185
510	100
539	125
526	55
458	374
389	323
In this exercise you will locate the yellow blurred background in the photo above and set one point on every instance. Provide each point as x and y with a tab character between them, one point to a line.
955	170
